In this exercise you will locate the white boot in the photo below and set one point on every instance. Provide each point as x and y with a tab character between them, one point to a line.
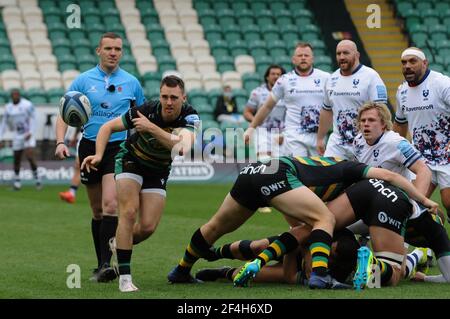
126	284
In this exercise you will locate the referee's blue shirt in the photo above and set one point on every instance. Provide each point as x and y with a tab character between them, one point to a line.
107	105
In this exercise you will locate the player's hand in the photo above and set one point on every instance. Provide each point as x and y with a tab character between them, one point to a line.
248	134
62	151
280	139
432	206
27	136
91	162
142	123
320	147
418	276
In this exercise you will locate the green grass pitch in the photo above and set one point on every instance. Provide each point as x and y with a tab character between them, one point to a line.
41	236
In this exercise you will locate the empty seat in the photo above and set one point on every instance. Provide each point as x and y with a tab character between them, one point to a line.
192	80
186	64
225	63
174	32
31	79
251	81
212	80
199	47
233	79
193	32
187	16
180	48
244	64
205	64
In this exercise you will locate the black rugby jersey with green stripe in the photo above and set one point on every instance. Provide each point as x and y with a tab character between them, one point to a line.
327	177
143	146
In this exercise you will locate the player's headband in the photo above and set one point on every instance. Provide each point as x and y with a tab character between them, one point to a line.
414	52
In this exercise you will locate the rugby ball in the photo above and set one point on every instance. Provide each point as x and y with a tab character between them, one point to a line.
75	108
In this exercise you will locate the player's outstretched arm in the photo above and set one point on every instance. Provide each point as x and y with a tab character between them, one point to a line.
115	125
423	176
399	181
259	117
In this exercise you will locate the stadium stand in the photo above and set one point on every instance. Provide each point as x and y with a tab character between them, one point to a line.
211	43
384	45
427	24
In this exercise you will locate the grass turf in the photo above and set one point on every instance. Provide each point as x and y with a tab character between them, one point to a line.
41	236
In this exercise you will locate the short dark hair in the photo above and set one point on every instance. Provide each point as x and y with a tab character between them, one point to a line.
109	35
343	264
172	81
14	90
303	45
273	66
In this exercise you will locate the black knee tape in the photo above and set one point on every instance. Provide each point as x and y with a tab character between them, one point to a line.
245	249
225	251
272	239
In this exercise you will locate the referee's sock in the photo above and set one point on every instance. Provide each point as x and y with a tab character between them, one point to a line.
107	231
95	230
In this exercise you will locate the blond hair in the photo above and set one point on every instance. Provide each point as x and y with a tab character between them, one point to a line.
383	113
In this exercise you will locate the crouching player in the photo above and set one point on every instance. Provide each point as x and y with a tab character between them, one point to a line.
293	268
385	209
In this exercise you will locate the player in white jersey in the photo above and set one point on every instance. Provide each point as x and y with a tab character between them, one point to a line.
20	117
349	87
423	109
378	146
269	134
302	91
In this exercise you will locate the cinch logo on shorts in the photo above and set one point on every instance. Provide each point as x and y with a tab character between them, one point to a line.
266	190
378	185
383	218
250	170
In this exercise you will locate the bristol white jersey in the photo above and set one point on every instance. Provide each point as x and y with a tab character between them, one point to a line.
276	118
346	94
426	109
303	97
19	118
391	151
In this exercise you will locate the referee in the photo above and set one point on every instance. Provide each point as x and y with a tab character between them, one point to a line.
111	91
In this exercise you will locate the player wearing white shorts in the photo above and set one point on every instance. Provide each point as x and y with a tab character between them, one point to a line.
302	91
269	135
349	87
423	109
19	117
